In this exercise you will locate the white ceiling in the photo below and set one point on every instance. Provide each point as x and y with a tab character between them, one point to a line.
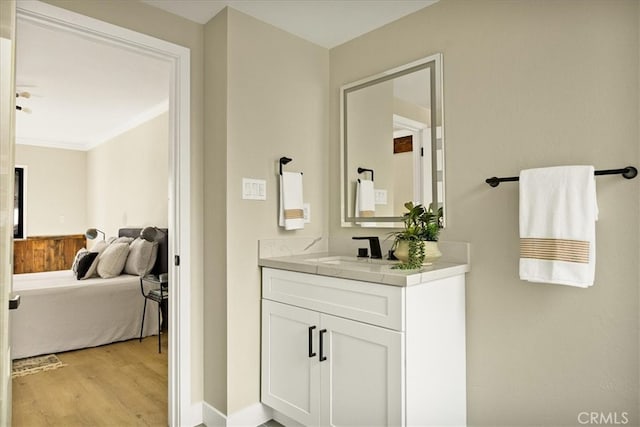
84	92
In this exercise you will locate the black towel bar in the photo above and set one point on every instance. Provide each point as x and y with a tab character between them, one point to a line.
629	172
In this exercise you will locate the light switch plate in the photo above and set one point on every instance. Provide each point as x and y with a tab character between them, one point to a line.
306	207
381	197
254	189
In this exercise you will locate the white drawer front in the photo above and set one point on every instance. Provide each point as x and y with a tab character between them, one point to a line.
372	303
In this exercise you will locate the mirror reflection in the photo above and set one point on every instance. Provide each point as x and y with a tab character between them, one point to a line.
392	144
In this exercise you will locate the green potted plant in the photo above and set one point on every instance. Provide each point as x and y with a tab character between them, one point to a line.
418	241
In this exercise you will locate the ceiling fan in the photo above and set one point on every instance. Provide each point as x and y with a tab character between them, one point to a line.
23	94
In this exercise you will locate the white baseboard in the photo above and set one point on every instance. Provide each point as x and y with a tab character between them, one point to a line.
251	416
211	417
285	421
196	414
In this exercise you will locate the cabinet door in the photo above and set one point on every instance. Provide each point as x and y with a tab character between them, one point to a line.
290	369
363	375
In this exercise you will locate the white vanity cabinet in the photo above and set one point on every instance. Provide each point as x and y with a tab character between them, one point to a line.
354	379
338	352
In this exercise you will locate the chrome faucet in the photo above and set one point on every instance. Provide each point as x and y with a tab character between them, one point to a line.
374	243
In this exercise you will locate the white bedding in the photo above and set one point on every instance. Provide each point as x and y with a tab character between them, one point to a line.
59	313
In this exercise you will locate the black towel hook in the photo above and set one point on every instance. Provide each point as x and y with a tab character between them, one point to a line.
361	170
284	161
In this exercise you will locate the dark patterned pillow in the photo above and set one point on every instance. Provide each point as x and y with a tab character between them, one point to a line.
79	255
84	264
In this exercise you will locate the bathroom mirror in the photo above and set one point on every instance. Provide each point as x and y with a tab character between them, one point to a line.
392	133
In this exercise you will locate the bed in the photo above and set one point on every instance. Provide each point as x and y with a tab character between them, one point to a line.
59	313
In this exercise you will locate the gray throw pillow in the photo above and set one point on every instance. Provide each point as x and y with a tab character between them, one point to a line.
142	257
126	240
98	248
111	261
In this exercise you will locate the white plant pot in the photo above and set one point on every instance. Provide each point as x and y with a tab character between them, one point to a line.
431	252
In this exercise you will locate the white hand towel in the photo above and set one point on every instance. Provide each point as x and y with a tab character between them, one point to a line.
558	210
365	199
291	201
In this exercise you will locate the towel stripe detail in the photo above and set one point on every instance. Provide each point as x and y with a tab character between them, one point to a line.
367	214
555	249
293	214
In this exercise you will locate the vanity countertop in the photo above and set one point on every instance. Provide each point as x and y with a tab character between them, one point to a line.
364	269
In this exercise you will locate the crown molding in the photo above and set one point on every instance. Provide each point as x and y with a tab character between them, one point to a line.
50	143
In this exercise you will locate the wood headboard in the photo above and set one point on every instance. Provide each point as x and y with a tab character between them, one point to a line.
162	261
46	253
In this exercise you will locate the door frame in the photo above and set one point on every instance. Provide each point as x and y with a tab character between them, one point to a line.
179	203
7	120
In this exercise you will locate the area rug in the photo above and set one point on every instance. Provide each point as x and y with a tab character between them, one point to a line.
33	365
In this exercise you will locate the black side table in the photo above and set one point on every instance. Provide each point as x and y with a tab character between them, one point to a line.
158	293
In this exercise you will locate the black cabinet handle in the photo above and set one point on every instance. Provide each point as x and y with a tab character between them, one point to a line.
322	357
311	353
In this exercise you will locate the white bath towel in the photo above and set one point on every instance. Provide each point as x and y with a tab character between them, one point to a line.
291	201
558	210
365	199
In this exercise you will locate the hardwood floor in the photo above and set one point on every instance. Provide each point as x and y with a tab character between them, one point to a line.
121	384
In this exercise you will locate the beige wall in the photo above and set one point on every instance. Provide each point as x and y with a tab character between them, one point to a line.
56	190
128	178
370	136
122	182
215	211
157	23
529	84
276	105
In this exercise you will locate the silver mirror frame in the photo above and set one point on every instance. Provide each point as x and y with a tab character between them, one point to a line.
434	63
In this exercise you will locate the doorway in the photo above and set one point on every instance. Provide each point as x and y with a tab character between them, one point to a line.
179	179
